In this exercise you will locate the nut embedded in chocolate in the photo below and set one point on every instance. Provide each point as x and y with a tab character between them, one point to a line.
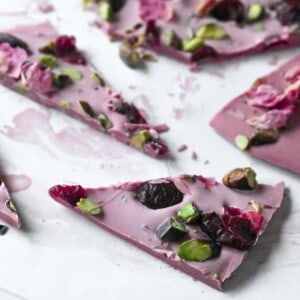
263	137
158	195
241	178
171	230
189	213
197	250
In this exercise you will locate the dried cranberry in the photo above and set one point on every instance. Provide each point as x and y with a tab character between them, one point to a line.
234	228
158	195
64	45
130	111
152	33
229	10
69	193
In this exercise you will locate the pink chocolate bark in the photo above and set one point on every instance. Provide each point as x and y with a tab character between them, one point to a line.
137	221
86	96
8	211
272	25
272	103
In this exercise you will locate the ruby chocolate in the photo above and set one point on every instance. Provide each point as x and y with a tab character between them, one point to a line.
209	249
267	117
196	31
49	68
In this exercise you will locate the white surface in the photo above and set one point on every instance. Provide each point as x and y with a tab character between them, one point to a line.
59	255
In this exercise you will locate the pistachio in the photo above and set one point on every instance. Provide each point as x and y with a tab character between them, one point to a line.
197	250
130	56
211	32
48	49
10	205
171	230
105	122
193	44
105	11
97	80
85	3
262	137
87	108
171	39
241	178
189	213
73	73
255	12
242	142
138	140
89	206
64	104
48	61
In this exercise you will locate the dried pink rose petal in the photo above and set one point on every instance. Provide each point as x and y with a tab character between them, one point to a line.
151	10
37	79
11	60
271	120
292	75
265	96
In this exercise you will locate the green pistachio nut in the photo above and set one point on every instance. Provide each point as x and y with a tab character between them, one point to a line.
105	122
194	250
138	140
242	142
211	32
48	61
73	73
89	207
105	11
255	12
193	44
188	213
87	108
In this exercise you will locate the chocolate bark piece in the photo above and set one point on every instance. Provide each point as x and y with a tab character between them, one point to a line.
58	75
217	245
251	26
270	107
8	211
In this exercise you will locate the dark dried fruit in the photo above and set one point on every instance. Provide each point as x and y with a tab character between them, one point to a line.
229	10
158	195
241	178
61	81
116	5
171	230
152	33
197	250
3	229
64	47
189	213
212	225
263	137
234	228
14	42
70	193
